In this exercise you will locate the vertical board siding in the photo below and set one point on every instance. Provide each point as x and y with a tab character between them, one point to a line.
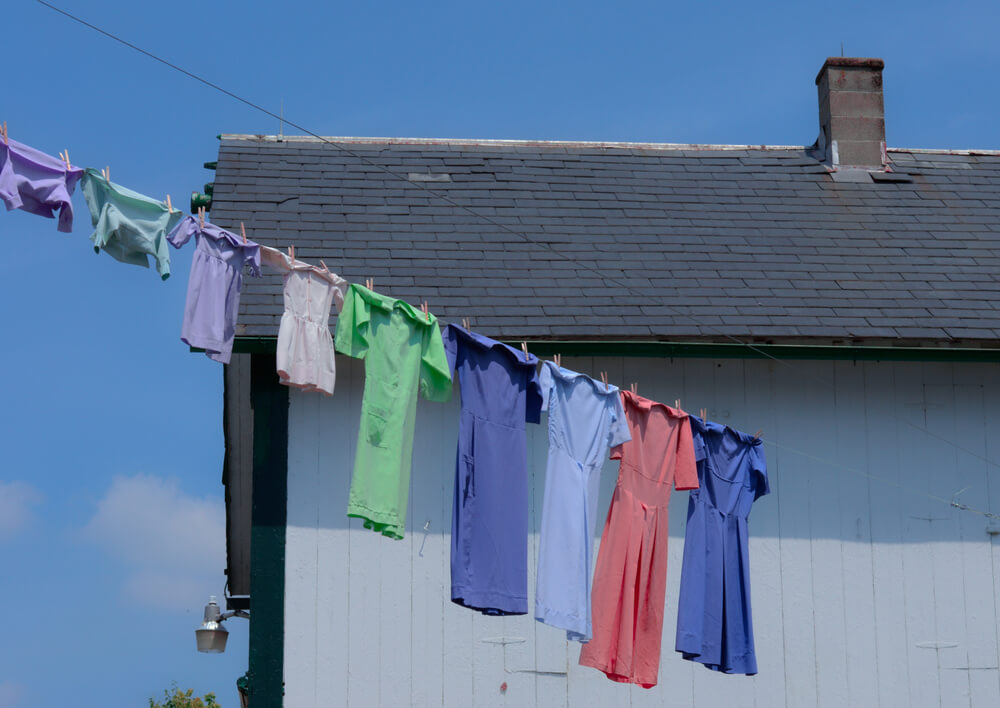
868	588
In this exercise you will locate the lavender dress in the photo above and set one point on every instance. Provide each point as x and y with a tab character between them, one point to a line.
213	296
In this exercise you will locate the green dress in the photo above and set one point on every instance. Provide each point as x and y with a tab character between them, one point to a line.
403	350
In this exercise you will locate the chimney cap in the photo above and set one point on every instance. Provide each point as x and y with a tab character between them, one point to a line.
850	62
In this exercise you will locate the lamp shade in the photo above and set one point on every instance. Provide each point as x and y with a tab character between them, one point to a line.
212	635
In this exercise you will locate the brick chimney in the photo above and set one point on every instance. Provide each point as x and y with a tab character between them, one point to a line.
851	112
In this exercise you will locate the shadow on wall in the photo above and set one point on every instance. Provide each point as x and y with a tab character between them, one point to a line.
857	451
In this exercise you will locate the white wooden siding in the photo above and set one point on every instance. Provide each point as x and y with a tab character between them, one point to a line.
865	591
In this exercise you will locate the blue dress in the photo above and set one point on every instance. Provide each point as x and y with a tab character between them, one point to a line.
586	419
714	624
489	521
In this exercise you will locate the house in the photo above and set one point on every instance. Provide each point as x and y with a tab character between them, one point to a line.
841	297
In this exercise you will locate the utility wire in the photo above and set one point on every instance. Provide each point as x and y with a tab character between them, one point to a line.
525	239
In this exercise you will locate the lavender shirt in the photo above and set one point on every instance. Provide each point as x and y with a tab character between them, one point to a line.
37	183
213	295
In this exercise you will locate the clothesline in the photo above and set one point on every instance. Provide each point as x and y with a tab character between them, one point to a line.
438	195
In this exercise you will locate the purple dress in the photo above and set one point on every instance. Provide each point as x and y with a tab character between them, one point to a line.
37	183
714	624
489	522
213	295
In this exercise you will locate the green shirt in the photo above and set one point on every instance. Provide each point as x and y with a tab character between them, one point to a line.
403	350
127	225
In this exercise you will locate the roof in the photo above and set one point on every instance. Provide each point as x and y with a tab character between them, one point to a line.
631	241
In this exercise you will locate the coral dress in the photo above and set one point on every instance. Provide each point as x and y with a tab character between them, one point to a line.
631	577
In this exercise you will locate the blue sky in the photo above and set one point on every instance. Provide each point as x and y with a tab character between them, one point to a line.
111	506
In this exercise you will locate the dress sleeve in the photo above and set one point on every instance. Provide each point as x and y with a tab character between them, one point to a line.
758	470
183	232
8	180
435	375
159	247
251	257
533	399
686	469
276	259
450	337
352	325
619	432
545	384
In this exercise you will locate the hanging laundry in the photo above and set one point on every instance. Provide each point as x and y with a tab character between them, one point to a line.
305	355
714	624
213	293
630	580
403	351
585	419
37	183
130	227
489	521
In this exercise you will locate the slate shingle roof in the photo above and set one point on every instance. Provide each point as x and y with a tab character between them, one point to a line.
751	242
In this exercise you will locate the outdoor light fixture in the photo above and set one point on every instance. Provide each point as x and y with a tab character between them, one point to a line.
212	635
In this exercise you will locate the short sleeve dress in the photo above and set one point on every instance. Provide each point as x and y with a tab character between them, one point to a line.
585	420
630	580
404	355
305	355
213	292
714	623
489	522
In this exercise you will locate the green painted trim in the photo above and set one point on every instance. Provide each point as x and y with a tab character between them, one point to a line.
701	350
269	400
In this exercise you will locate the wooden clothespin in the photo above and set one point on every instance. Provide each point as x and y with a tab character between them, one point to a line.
425	308
677	403
201	217
604	379
703	414
524	348
291	254
634	388
170	206
557	358
370	283
323	263
5	133
756	435
465	323
65	156
243	232
106	172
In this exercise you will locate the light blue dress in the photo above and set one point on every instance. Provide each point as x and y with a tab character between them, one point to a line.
585	420
714	623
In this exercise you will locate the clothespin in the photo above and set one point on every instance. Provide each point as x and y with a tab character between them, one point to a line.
65	156
291	254
107	173
370	283
425	308
170	206
757	434
557	358
243	232
201	217
5	133
465	323
634	387
677	403
703	414
524	348
323	263
604	379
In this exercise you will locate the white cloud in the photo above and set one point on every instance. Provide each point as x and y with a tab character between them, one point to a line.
17	500
10	694
173	545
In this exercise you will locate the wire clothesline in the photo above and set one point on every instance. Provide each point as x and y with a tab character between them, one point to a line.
603	275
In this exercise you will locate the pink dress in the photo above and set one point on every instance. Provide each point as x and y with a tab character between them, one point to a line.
631	576
304	354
